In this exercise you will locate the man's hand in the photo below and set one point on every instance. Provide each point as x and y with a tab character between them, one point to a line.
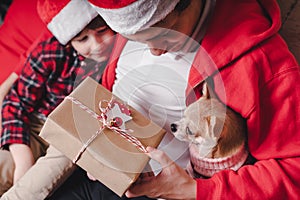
171	183
23	159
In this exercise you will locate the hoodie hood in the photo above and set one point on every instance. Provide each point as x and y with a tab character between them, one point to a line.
235	28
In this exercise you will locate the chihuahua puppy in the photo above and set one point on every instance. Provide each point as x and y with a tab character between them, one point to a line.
217	136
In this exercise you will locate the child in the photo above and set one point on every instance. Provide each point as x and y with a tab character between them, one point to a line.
50	73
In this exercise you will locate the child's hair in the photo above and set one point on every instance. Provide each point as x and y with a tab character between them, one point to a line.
95	23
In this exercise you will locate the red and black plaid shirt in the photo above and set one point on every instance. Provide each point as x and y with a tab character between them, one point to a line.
49	74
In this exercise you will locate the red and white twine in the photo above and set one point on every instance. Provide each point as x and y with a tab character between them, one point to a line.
105	124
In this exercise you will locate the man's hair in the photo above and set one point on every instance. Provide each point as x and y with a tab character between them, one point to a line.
182	5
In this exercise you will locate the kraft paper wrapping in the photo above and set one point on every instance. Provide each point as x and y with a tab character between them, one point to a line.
110	158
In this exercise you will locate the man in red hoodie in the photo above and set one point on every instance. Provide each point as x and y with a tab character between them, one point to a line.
253	73
235	45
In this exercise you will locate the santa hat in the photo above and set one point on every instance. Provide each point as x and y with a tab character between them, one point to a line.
65	18
130	16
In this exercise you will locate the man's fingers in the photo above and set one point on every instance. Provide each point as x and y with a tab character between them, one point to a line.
159	156
140	187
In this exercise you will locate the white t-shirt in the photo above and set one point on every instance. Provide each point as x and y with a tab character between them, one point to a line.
155	86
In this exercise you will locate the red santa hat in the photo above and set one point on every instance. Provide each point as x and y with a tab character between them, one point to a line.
65	18
130	16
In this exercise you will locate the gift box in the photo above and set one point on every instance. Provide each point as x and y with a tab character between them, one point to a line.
102	135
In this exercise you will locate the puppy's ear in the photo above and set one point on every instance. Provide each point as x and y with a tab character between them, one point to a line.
214	126
217	126
208	89
205	91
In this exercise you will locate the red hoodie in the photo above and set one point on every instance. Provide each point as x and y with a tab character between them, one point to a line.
255	74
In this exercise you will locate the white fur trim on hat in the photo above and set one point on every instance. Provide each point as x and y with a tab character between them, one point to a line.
72	19
136	16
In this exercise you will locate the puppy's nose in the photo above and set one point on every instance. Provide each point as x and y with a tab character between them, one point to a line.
173	127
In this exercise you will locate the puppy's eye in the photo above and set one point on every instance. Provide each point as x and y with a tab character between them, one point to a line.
188	131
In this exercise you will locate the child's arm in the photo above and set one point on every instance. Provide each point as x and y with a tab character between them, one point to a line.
21	101
23	158
4	88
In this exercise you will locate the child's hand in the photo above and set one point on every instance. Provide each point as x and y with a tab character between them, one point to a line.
0	115
1	102
23	159
91	177
4	88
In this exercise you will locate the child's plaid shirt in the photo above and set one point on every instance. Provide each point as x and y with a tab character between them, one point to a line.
48	76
